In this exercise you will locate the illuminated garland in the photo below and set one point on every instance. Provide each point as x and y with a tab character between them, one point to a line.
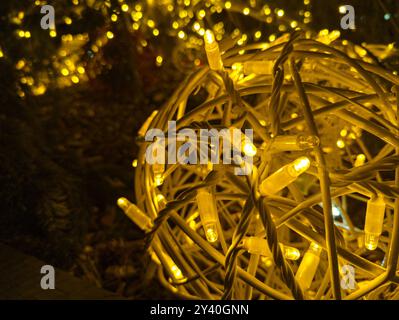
79	55
319	200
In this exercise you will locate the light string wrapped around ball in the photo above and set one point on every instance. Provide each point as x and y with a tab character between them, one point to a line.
324	183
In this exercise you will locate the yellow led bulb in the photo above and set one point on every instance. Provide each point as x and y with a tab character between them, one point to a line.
284	176
158	169
374	221
212	51
135	214
308	267
256	245
293	142
208	214
174	271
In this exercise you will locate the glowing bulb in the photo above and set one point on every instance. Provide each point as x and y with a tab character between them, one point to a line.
374	222
208	214
291	253
259	246
110	34
53	33
181	34
227	5
211	233
75	79
360	160
158	169
64	72
174	270
342	9
135	214
209	37
284	176
308	267
159	60
340	143
246	11
249	149
212	51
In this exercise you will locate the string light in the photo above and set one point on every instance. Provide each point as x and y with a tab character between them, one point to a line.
208	214
212	51
284	176
374	221
211	210
308	267
259	246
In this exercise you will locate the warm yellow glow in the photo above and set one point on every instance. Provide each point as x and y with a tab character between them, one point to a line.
246	11
64	71
209	37
268	261
125	7
181	34
284	176
212	51
135	214
27	34
39	90
196	26
75	79
208	213
211	233
20	64
114	17
81	70
301	164
249	148
201	13
134	163
110	34
340	143
159	60
280	12
53	33
177	273
227	5
374	222
68	20
308	267
291	253
155	32
360	160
